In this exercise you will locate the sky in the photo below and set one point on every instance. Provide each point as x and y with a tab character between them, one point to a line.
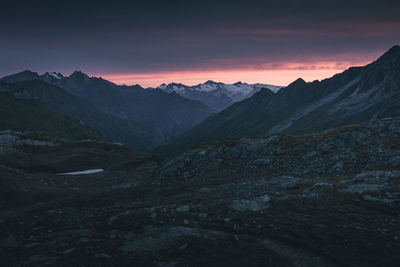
154	42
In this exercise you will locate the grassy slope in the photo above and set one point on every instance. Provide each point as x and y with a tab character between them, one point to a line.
33	115
135	134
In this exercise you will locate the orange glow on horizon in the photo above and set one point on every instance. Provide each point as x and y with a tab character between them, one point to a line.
280	74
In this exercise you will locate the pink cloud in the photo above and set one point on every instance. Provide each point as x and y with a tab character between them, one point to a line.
280	76
337	29
251	70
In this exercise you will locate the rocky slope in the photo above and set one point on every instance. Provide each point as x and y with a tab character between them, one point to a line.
326	199
356	95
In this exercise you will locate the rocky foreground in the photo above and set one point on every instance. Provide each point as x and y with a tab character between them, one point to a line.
327	199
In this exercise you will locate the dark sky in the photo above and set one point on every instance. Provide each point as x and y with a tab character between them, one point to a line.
151	42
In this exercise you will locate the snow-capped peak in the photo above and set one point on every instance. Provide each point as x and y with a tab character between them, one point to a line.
236	92
54	75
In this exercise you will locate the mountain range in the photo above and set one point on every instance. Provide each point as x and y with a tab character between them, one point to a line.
173	118
359	94
136	134
217	95
130	115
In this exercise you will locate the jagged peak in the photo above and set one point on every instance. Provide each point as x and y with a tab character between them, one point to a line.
176	84
78	73
28	72
210	82
54	74
265	90
298	82
393	52
21	76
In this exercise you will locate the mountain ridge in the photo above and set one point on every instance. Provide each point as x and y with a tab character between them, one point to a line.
358	94
138	135
216	95
172	115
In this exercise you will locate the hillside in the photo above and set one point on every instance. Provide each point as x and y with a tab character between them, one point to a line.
316	200
136	134
32	115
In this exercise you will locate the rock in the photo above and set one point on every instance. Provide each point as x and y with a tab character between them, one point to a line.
362	188
338	167
41	258
383	200
165	239
31	245
286	181
256	164
103	255
122	186
171	264
183	247
68	251
82	240
183	208
203	215
322	185
113	218
395	162
113	234
255	204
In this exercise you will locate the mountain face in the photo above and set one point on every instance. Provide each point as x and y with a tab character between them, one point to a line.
169	114
19	112
357	95
217	96
136	134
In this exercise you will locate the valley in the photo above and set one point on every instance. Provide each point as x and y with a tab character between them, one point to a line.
98	174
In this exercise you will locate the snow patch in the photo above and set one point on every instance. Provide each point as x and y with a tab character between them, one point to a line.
81	172
56	75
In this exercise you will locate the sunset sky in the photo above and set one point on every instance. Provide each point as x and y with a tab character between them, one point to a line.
154	42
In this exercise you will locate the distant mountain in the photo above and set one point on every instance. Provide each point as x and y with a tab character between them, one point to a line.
217	96
170	113
357	95
21	76
138	135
